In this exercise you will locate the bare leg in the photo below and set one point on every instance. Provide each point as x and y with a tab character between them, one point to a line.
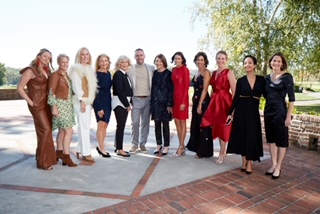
101	135
223	150
181	137
273	152
244	162
281	154
249	166
67	140
183	126
59	139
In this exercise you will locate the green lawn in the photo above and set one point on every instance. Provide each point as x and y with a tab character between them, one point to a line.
313	85
304	97
312	109
8	87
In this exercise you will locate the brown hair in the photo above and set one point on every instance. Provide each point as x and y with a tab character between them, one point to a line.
204	55
283	58
162	58
184	61
222	52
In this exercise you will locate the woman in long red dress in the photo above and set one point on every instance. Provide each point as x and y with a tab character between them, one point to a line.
222	81
181	82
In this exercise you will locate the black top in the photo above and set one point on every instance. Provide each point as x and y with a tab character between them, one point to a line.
122	87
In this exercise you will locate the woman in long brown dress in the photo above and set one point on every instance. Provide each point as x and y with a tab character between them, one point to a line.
35	77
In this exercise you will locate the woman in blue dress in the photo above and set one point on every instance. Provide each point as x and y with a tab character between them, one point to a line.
102	102
161	103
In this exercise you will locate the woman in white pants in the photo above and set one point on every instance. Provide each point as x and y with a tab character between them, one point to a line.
84	85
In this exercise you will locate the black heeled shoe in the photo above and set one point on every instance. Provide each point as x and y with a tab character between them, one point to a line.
276	177
268	173
102	154
157	151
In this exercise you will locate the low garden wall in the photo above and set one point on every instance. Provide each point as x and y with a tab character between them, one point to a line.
304	132
9	94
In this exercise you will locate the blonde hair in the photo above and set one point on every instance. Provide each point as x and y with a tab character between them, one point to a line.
122	58
77	60
35	64
97	67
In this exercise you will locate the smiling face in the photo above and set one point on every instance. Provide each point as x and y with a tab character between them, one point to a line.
178	60
124	65
249	65
63	64
44	58
276	63
159	64
221	60
200	63
84	57
103	63
139	56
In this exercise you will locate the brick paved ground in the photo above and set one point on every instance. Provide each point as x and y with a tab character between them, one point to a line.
296	191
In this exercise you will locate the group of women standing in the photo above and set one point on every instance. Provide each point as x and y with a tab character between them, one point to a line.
237	101
232	113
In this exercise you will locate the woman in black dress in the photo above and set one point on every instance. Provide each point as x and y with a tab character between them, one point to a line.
246	137
102	102
161	103
200	140
277	113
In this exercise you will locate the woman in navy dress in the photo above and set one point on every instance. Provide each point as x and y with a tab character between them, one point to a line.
277	113
161	103
200	140
246	137
102	102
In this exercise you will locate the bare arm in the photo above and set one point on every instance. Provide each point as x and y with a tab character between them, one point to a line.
287	122
232	82
206	82
26	77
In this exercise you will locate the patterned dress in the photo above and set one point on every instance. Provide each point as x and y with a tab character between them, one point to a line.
65	107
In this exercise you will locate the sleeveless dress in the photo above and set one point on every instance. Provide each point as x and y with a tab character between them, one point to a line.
103	96
200	140
181	82
220	103
42	117
246	137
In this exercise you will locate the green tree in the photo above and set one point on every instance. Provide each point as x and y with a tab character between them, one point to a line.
2	74
261	27
12	76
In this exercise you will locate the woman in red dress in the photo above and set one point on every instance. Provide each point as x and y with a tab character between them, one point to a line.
222	81
181	82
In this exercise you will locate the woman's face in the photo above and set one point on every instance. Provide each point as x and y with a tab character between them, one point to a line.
63	64
159	63
45	58
103	63
276	63
249	65
84	57
177	60
124	65
221	60
200	62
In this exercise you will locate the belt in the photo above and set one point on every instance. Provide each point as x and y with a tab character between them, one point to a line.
141	96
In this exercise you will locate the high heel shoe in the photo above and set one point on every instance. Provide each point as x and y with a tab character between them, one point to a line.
103	154
66	160
157	150
182	153
276	177
78	155
59	155
165	151
221	159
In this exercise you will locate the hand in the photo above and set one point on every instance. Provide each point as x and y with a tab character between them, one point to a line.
30	103
229	120
100	113
182	107
55	111
129	108
288	121
199	109
82	107
169	109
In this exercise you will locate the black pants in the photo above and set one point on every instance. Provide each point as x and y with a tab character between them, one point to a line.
121	117
165	131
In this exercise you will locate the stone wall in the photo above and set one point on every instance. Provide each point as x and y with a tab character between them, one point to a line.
9	94
304	132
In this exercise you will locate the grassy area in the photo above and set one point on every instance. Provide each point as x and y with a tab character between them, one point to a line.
313	85
312	109
304	97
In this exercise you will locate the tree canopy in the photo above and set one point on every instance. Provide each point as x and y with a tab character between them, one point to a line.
2	74
261	28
